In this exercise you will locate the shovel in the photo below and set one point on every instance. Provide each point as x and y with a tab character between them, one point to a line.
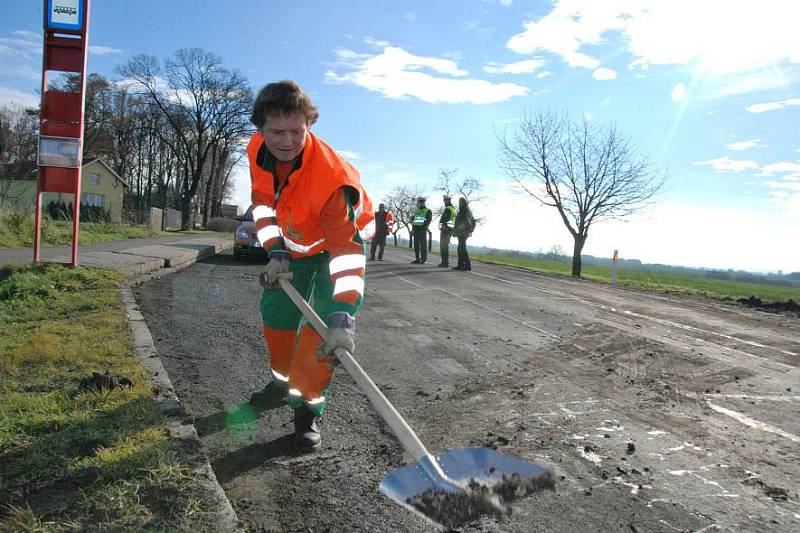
456	486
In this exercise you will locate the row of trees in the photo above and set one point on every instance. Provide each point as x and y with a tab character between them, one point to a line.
173	131
402	201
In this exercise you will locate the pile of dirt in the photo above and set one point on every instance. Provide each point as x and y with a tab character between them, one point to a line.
789	306
98	382
453	510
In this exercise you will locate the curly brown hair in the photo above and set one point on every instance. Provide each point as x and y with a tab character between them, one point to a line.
282	98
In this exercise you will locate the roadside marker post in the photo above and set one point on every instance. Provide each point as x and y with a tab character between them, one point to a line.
61	114
614	268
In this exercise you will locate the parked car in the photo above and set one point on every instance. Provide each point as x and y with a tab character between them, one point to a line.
245	241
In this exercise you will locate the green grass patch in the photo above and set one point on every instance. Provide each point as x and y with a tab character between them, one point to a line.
17	229
654	281
74	460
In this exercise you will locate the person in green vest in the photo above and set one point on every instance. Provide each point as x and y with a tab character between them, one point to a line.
465	225
419	226
446	225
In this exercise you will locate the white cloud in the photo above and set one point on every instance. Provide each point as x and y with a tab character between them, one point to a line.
772	106
744	145
678	92
30	35
787	185
134	86
24	46
19	69
478	28
347	154
726	164
396	73
604	73
103	50
708	35
780	168
410	15
543	74
377	43
520	67
783	192
13	97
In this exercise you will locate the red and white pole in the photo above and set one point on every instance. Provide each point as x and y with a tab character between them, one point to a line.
61	117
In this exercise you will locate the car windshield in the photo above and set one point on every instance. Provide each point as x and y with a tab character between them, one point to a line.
248	215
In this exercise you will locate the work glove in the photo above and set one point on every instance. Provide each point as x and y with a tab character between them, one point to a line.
279	261
341	334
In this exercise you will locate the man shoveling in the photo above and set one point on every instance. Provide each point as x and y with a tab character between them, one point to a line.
312	215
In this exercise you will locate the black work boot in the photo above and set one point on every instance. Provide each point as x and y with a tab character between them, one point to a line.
271	396
306	428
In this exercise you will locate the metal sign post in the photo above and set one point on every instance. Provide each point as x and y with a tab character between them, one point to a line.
614	268
66	33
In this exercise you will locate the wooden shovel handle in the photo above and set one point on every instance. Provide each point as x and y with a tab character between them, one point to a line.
385	409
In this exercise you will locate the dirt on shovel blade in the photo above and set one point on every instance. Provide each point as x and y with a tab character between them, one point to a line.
453	510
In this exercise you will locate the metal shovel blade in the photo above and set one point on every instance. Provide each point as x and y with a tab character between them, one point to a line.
506	476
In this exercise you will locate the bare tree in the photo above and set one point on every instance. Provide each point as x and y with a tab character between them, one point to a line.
588	173
448	183
202	101
18	131
402	203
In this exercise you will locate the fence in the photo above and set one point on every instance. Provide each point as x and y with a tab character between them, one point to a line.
157	218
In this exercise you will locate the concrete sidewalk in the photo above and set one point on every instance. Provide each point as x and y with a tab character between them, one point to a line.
135	258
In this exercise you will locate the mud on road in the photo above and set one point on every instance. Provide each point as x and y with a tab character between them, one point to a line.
656	413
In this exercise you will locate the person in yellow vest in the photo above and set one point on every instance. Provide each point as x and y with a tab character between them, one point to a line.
446	224
419	227
312	216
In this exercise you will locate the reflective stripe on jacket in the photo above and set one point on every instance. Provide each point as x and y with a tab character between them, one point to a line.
295	217
420	217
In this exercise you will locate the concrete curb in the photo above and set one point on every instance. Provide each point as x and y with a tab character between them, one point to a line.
146	263
142	263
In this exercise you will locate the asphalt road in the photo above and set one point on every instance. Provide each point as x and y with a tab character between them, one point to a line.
656	413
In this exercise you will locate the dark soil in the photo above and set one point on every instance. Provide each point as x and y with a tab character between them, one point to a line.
98	382
789	306
456	509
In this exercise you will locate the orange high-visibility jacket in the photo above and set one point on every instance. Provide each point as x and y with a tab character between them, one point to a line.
293	218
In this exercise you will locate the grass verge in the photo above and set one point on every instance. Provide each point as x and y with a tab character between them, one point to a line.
654	281
16	231
80	460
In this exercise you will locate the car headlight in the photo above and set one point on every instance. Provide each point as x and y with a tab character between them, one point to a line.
242	234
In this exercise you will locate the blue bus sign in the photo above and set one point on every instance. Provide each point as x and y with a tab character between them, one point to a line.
65	14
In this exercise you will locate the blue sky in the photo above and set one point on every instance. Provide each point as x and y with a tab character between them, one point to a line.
710	90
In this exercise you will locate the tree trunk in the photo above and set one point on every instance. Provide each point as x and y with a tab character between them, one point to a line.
186	213
209	185
580	240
